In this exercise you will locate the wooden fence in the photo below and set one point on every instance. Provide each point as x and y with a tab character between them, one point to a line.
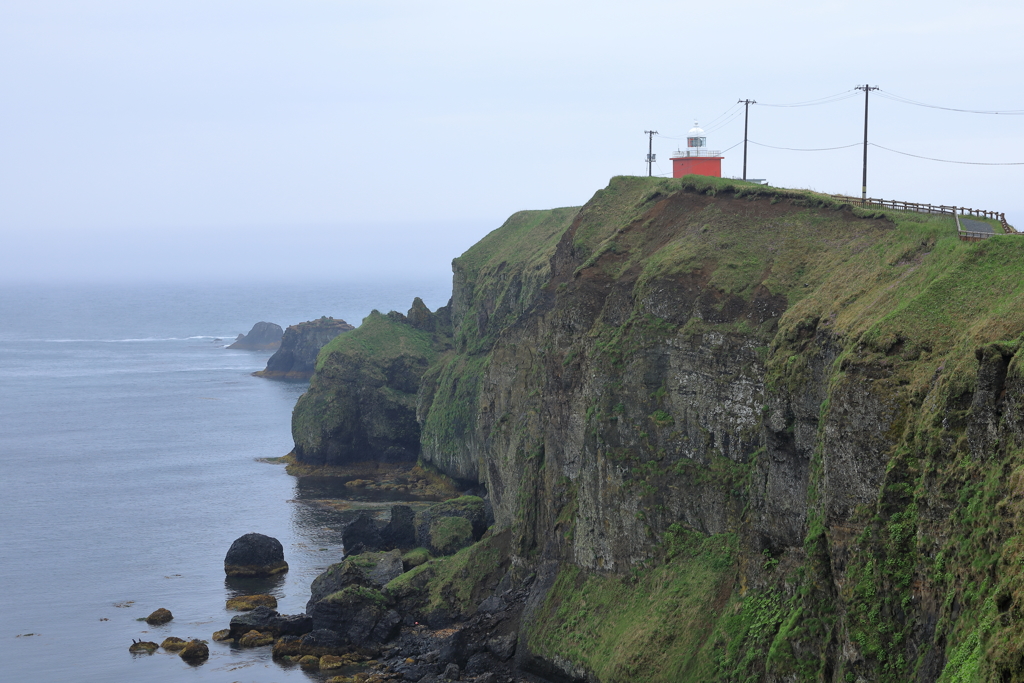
940	209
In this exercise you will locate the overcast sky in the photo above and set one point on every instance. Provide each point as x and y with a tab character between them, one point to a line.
219	139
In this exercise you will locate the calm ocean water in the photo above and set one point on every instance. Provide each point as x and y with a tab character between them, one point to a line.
129	440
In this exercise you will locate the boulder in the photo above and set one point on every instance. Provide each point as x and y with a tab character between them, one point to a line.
310	663
321	642
195	652
262	337
245	603
359	615
400	531
372	570
160	616
147	647
255	555
267	620
173	644
361	534
256	638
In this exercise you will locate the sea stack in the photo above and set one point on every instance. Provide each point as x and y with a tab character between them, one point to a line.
263	336
300	345
255	555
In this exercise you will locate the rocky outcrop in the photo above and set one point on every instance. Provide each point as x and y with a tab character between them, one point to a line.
299	347
160	616
255	555
266	620
361	403
263	336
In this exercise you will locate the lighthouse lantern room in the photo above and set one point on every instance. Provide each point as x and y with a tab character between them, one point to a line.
697	159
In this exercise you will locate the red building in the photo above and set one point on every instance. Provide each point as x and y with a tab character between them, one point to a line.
696	158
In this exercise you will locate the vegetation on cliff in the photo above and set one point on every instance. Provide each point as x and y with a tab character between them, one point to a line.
745	433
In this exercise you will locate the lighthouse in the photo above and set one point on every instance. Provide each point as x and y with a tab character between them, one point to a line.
697	159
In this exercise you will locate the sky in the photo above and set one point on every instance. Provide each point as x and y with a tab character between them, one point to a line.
217	140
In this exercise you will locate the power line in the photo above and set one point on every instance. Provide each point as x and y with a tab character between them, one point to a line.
949	161
838	97
904	100
803	149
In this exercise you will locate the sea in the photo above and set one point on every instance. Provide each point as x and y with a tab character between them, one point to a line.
131	447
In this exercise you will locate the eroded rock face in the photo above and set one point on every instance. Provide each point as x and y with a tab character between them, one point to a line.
369	569
263	336
255	555
299	346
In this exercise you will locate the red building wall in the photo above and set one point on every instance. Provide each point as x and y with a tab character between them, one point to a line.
711	166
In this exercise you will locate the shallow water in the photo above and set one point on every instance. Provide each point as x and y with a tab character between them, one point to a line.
129	440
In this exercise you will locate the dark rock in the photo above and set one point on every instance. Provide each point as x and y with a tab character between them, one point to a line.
502	647
300	345
491	604
255	555
481	662
361	534
195	652
451	672
372	570
256	638
262	337
321	642
267	620
160	616
309	663
400	531
420	317
359	615
488	677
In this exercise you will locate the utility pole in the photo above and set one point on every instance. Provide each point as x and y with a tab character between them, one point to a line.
650	146
746	114
864	181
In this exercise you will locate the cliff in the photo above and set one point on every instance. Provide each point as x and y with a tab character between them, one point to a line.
299	346
735	433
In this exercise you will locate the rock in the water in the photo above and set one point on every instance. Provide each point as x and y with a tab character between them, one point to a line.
255	555
245	603
361	534
221	635
358	615
310	663
147	647
195	652
321	642
160	616
269	621
262	337
400	531
256	639
296	359
173	644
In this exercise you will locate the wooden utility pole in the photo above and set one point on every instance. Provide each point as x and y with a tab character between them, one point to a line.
864	180
746	114
650	148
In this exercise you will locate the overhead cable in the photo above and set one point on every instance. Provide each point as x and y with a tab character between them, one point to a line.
896	98
949	161
838	97
800	149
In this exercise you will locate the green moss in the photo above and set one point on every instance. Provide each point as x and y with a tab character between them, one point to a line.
448	534
353	594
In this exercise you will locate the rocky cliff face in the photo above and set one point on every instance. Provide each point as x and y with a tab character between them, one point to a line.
739	433
300	345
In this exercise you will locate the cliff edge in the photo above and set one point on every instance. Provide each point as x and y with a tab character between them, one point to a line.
299	347
728	432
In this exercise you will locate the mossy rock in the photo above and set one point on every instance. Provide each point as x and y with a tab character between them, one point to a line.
143	647
310	663
173	644
222	635
245	603
195	652
448	535
331	662
289	647
160	616
415	558
255	639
